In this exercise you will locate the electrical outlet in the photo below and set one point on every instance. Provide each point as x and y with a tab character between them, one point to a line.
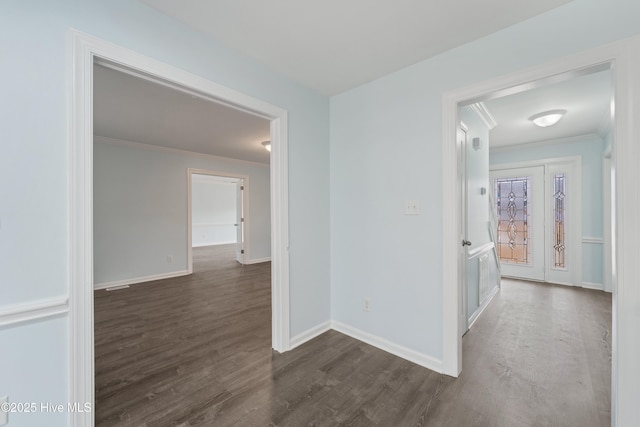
169	259
366	304
4	415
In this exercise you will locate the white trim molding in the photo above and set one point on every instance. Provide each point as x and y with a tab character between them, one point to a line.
593	240
258	261
16	314
595	286
418	358
484	114
85	50
202	245
480	250
136	280
310	334
483	305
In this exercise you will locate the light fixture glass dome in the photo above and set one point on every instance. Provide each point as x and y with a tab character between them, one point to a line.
548	118
267	145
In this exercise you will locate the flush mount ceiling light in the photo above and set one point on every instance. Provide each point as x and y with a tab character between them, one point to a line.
267	145
548	118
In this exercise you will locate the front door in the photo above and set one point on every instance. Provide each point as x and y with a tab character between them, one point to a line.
519	198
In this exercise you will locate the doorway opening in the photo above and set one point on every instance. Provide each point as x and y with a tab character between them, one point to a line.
88	50
566	70
218	213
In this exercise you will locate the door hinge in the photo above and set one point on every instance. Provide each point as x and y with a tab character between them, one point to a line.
241	251
242	187
241	219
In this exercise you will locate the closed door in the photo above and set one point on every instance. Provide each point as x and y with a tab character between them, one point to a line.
519	198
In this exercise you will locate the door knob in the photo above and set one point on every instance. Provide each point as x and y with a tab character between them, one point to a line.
466	243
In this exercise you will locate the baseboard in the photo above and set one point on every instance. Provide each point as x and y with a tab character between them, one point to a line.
34	310
309	334
135	280
484	305
258	260
390	347
596	286
200	245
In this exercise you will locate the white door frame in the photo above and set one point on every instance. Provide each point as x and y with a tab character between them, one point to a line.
84	50
245	203
623	58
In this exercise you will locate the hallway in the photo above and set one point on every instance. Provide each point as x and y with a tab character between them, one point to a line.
195	351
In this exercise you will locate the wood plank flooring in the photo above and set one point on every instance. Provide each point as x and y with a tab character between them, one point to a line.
195	351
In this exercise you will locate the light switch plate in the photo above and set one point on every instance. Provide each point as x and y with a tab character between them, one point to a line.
412	208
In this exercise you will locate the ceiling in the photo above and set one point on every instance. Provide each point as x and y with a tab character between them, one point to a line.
335	45
134	109
587	100
332	58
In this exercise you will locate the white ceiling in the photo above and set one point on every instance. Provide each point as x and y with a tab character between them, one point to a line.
138	110
334	45
587	100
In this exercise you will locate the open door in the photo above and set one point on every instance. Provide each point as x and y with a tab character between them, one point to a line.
240	255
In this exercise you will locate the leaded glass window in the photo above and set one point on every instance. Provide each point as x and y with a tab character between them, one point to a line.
559	194
512	203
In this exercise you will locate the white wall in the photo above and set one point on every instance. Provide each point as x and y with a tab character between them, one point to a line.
140	209
589	148
34	206
213	211
386	139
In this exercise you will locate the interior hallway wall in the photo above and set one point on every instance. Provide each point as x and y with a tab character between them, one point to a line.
36	90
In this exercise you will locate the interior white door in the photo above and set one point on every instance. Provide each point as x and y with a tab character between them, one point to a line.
519	197
240	255
464	248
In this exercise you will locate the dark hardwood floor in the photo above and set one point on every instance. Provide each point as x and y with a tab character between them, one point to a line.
195	351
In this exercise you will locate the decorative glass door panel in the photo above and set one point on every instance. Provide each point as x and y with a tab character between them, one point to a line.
513	231
520	209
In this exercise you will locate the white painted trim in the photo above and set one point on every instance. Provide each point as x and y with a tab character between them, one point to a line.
546	142
202	245
593	240
84	49
418	358
623	58
213	224
143	279
310	334
151	147
484	114
258	261
483	306
596	286
480	250
17	314
537	162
